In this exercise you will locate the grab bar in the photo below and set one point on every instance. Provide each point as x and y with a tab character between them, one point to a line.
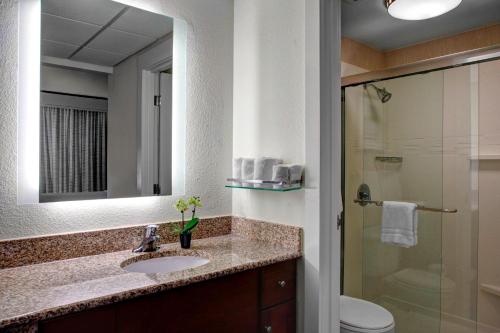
419	207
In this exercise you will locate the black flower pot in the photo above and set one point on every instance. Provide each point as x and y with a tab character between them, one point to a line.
185	240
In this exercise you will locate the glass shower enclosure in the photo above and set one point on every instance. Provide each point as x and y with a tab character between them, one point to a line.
414	139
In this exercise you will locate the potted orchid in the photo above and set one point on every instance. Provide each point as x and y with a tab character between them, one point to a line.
185	228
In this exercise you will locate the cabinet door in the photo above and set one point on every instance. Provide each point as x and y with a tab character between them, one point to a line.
278	283
99	320
278	319
224	305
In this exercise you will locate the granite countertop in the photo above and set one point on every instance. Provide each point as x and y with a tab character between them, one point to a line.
40	291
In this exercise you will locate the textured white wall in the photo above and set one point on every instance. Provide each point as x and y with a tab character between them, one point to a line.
269	99
209	129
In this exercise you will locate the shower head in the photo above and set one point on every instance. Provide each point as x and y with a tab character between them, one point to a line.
382	93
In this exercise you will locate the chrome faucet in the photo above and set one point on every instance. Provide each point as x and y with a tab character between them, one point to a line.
150	241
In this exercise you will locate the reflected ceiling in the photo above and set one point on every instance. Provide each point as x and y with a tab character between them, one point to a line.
98	32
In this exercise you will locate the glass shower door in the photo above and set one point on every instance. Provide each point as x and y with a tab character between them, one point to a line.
415	139
401	154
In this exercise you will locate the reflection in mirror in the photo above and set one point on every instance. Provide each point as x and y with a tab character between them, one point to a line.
106	101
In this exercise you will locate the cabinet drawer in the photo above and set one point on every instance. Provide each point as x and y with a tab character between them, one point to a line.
277	283
278	319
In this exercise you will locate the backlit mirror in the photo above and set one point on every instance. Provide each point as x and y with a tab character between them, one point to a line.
111	110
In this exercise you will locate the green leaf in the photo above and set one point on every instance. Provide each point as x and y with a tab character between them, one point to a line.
176	229
190	225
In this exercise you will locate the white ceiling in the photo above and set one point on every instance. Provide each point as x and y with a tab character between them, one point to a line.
67	25
368	22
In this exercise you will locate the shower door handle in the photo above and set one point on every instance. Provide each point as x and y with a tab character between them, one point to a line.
364	194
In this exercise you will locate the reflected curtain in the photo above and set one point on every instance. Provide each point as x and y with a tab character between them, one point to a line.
72	150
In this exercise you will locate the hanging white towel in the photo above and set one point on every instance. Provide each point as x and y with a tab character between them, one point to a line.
399	223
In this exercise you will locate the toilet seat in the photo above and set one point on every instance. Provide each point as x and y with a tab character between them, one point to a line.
358	315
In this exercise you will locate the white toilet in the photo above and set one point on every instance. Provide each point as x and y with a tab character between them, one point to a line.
359	316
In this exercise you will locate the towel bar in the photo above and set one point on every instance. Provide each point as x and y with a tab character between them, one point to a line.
419	207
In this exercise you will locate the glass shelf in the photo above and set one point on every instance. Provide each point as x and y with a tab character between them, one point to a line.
284	189
287	187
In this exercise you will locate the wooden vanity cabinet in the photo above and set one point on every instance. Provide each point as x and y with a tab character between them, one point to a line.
99	320
279	319
254	301
277	298
227	304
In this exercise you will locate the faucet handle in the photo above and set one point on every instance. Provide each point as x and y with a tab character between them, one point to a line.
150	230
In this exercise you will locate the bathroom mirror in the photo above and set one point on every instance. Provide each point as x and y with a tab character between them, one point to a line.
111	101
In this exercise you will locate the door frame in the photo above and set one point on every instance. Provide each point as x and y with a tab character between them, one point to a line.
146	151
330	165
319	311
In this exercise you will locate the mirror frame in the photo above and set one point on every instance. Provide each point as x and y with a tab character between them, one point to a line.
28	101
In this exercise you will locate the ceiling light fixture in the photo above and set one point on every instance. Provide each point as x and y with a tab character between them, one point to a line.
419	9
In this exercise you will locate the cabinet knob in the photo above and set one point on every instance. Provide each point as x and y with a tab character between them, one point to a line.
268	329
282	283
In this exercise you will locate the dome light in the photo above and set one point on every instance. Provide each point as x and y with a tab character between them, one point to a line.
413	10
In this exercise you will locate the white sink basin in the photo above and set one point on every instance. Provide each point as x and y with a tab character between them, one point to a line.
165	264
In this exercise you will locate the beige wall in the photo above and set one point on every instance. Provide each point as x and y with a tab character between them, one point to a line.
348	69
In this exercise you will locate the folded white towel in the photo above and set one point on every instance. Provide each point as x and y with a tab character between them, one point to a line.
264	169
281	173
247	170
290	173
237	169
399	223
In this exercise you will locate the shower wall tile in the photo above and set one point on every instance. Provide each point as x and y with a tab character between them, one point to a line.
489	194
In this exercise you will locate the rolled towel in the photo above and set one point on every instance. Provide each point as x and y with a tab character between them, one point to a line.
295	173
281	173
264	169
237	169
247	170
